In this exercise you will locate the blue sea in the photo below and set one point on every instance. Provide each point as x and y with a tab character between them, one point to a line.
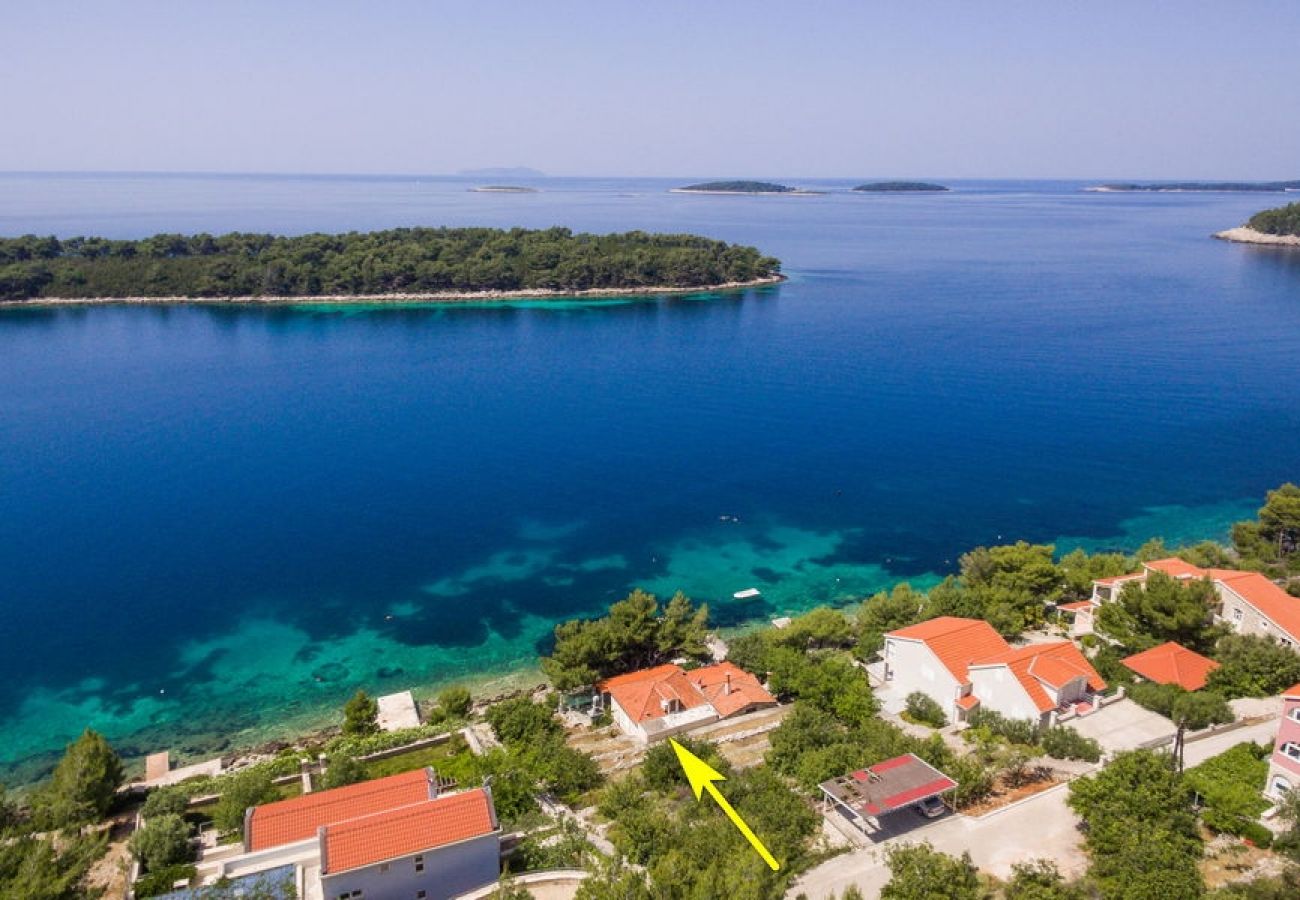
217	523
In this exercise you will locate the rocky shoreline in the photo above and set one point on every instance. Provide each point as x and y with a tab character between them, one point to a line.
394	299
1246	235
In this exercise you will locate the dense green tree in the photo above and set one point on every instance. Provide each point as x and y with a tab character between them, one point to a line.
1252	666
1283	220
455	701
238	793
635	634
820	628
1193	710
173	800
924	708
400	260
662	770
1079	570
886	612
1162	609
614	880
1040	880
520	721
83	784
343	769
34	869
361	714
163	841
919	872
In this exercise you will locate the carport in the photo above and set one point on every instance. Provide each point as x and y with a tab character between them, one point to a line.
865	796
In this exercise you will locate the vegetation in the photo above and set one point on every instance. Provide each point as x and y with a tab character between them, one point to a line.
1253	666
343	769
166	801
739	187
1195	710
885	612
636	633
1283	220
401	260
455	702
36	869
919	872
1162	609
82	787
361	714
1141	829
239	792
160	881
886	187
1040	880
1229	786
163	841
535	756
926	710
1271	543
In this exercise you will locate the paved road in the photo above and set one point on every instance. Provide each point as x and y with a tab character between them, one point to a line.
1042	826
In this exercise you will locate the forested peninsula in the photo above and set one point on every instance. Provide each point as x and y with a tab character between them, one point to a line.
1276	227
415	264
1218	187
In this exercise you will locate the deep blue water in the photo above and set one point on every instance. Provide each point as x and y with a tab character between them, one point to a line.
215	523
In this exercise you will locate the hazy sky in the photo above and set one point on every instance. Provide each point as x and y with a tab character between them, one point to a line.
1180	89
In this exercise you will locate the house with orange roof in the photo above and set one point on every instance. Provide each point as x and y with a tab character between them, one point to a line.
1036	682
964	665
399	836
1172	663
1249	603
652	704
1284	764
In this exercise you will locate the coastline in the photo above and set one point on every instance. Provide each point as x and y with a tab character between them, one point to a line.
393	299
1247	235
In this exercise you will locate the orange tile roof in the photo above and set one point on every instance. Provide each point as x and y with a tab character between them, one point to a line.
299	818
1054	664
1115	579
1292	693
405	831
1176	568
644	694
1271	601
956	642
969	701
1077	606
745	689
1172	663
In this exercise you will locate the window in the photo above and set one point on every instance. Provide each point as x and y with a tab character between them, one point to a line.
1280	785
1236	614
352	895
1295	714
419	895
1291	749
419	863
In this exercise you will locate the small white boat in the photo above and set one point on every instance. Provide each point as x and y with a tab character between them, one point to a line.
747	594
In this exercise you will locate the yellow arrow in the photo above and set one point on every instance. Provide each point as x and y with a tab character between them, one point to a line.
701	776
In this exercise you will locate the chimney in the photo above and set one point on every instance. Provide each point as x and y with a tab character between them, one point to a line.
726	687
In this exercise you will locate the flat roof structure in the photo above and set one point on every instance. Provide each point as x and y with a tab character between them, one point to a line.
887	787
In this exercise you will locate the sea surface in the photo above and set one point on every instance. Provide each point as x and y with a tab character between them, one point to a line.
217	523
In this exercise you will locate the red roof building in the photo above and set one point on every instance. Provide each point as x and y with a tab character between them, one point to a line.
652	704
1172	663
406	831
888	786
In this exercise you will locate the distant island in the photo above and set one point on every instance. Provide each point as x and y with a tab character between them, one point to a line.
502	172
900	187
1277	227
399	265
503	189
739	187
1235	187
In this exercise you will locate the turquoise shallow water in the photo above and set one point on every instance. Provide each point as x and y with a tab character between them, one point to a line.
217	523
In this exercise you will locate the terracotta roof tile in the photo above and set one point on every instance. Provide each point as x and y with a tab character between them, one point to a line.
299	818
745	689
956	642
969	701
1054	664
1292	693
1172	663
1271	601
1176	568
406	831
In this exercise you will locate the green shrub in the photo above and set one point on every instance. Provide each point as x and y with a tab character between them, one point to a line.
163	841
160	881
173	800
924	708
455	702
343	770
1017	731
1063	742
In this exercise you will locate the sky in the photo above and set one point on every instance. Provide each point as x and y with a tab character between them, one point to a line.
723	88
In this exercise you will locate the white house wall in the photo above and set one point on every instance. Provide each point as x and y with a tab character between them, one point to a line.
914	667
999	690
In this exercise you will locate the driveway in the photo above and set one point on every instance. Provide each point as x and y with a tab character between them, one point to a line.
1042	826
1123	725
